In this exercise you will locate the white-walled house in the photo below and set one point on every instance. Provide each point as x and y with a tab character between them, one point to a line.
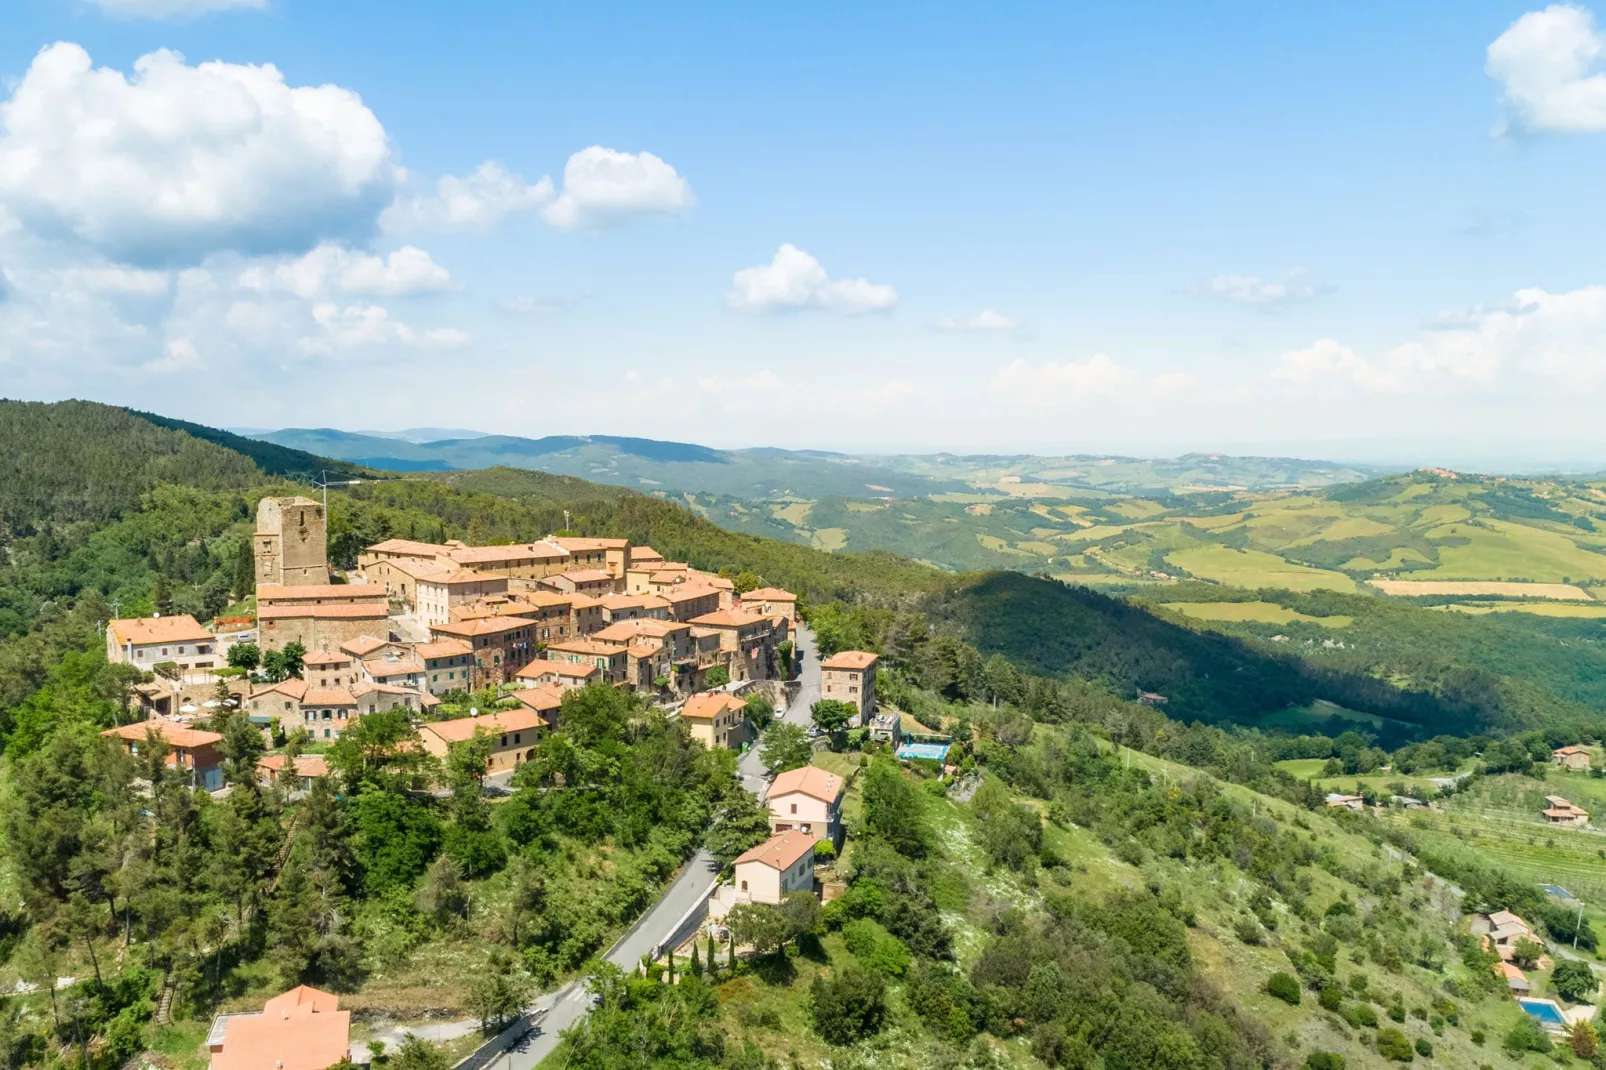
768	873
808	800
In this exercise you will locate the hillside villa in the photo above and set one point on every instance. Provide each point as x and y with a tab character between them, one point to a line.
1559	811
145	642
512	733
849	676
717	719
302	1029
1570	758
809	800
768	873
194	752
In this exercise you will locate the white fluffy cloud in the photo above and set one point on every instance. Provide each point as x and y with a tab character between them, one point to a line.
795	280
179	162
1545	64
602	187
408	270
1052	382
985	320
361	326
475	203
1261	293
1536	340
174	9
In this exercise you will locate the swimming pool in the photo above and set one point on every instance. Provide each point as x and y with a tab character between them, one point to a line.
935	752
1545	1011
1556	891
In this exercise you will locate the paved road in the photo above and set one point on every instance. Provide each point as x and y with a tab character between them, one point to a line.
568	1004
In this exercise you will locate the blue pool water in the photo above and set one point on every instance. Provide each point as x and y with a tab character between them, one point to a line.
1557	891
935	752
1545	1012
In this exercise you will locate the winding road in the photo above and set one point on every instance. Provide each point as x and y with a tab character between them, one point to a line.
557	1011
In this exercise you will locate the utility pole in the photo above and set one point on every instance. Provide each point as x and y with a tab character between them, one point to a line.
1578	922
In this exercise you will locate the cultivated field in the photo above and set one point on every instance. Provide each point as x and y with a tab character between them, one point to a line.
1256	568
1263	612
1562	591
1538	609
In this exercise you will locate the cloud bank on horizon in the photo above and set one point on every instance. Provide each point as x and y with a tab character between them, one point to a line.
186	235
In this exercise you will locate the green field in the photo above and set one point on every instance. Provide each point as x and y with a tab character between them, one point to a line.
1542	609
1264	612
1257	568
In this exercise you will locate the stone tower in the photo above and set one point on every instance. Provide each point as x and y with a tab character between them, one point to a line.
290	542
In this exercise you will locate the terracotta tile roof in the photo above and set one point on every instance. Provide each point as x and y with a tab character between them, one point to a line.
483	626
689	592
300	1030
532	551
580	545
1561	752
271	592
727	618
584	601
307	765
327	657
585	575
781	852
615	602
625	631
544	599
540	699
708	579
295	687
407	546
643	650
176	735
850	659
178	628
328	696
708	705
360	611
542	666
363	645
644	553
811	780
585	646
519	720
386	667
770	594
443	648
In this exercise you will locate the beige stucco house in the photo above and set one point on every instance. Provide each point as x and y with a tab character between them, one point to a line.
768	873
808	800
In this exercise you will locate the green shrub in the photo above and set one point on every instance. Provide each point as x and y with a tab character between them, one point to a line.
1324	1060
1360	1015
1423	1048
1331	998
1526	1036
1392	1044
1284	986
875	948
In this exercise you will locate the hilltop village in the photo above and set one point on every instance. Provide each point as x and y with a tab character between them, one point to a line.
418	621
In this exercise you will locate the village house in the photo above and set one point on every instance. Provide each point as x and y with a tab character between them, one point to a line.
544	702
1516	981
674	637
448	664
849	676
320	627
621	607
326	712
586	615
1570	757
655	577
561	675
1500	931
395	670
525	561
1335	801
717	720
145	642
1559	811
280	702
611	555
771	602
591	582
302	1029
644	557
809	800
512	733
609	658
329	668
746	641
549	610
398	550
366	646
308	767
768	873
196	754
500	644
439	589
321	594
691	601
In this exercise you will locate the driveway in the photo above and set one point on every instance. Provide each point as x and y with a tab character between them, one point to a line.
569	1004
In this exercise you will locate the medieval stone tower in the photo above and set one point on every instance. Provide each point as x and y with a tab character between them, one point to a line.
290	542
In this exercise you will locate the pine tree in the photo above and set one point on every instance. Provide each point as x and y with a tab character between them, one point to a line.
162	595
245	571
696	962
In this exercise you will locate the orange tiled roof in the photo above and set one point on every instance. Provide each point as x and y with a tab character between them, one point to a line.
585	646
542	666
358	611
770	594
407	546
299	1030
708	705
585	575
178	628
307	765
174	734
850	659
811	780
728	618
269	592
541	699
781	852
581	545
328	696
457	731
443	648
482	626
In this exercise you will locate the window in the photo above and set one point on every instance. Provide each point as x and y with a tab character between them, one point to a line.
794	808
744	886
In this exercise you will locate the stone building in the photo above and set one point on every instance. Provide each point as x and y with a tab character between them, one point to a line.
290	542
849	676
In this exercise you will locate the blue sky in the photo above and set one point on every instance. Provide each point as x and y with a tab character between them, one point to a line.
1339	230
